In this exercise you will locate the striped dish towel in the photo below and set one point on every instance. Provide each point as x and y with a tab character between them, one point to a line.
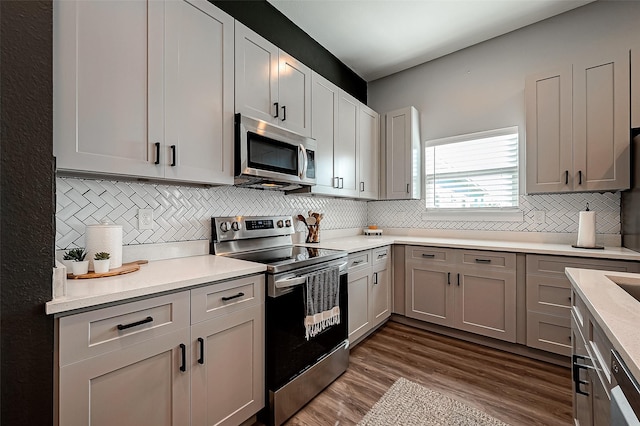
322	301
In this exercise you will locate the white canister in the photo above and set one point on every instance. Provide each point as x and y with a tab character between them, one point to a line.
106	237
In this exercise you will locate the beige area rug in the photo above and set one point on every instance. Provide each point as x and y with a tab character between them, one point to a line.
408	403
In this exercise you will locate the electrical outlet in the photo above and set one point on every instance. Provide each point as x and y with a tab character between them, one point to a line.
538	216
145	219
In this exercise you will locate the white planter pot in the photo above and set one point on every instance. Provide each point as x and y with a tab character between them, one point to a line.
101	266
80	268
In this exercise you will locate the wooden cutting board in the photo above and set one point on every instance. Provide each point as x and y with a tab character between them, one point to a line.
124	269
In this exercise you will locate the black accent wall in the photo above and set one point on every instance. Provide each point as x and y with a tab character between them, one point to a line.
26	212
266	20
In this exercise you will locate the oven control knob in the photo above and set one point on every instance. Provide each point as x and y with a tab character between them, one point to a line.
225	226
287	223
280	224
235	226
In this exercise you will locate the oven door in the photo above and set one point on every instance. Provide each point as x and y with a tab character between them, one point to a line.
288	352
272	153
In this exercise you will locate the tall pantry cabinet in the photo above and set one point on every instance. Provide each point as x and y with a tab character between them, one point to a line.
578	126
149	97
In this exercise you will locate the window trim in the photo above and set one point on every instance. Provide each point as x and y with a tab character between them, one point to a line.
481	214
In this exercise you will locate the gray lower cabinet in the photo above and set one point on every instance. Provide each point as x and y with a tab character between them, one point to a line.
592	377
469	290
549	298
165	360
369	291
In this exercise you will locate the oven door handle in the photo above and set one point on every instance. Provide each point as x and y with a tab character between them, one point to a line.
290	282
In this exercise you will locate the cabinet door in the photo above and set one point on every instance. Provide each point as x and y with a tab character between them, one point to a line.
346	150
369	152
429	293
108	86
256	75
486	304
549	132
380	295
635	88
324	129
359	302
227	379
601	159
403	153
199	95
137	386
294	94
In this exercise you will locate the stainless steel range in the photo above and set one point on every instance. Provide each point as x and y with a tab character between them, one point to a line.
297	367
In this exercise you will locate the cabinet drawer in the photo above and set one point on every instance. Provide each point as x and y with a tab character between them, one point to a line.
549	295
381	257
554	265
97	332
426	255
359	260
223	298
489	259
549	332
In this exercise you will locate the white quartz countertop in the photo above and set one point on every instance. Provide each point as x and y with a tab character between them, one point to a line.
353	244
614	310
154	277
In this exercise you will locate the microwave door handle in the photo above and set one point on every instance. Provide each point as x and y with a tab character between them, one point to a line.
305	161
290	282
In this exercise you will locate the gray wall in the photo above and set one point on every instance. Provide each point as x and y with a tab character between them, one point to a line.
482	87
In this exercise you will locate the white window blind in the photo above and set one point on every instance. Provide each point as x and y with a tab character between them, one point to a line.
473	171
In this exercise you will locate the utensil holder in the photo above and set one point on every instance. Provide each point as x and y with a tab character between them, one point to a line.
313	233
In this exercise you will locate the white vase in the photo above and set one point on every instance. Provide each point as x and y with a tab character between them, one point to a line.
101	266
80	268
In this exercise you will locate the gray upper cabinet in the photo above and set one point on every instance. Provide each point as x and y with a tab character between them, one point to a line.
635	88
582	114
347	133
401	175
163	107
270	84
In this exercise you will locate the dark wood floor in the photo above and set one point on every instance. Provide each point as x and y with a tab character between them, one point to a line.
512	388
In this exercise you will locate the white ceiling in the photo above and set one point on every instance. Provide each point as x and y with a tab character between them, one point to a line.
376	38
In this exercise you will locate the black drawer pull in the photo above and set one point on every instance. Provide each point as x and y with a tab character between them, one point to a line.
579	177
483	260
566	177
201	359
275	104
382	255
448	278
133	324
576	373
235	296
357	262
458	280
183	357
284	113
173	155
428	256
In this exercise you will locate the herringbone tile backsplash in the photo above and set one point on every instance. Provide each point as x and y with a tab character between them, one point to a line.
183	213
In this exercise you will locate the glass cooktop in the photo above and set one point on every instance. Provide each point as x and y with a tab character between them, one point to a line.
282	259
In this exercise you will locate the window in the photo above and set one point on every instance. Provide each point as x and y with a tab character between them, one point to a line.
474	171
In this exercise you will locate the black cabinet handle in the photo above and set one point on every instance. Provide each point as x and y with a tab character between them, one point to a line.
382	255
375	278
284	112
576	373
458	280
201	359
579	177
428	255
357	262
173	155
566	177
448	278
407	188
361	186
235	296
483	260
183	359
157	144
133	324
275	104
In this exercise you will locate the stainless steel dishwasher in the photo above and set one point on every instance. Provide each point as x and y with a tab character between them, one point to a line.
625	396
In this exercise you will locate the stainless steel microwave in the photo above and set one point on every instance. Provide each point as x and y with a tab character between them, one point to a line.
270	157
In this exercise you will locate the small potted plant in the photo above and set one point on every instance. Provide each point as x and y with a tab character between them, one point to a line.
101	262
79	265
